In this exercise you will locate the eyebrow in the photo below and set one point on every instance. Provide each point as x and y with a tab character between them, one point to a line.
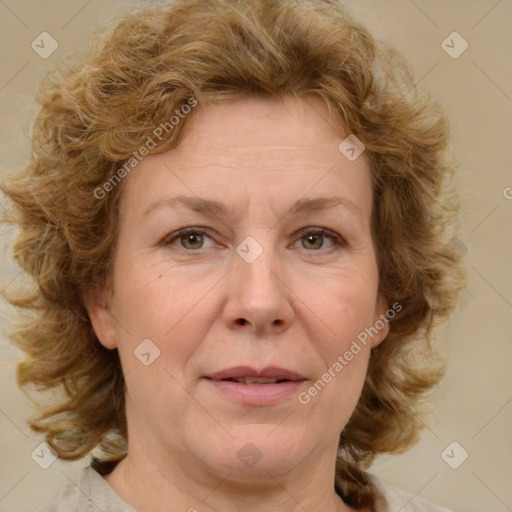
212	208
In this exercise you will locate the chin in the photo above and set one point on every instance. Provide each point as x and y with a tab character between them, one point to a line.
257	450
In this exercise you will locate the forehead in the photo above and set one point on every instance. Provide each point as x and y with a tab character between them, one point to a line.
261	149
258	118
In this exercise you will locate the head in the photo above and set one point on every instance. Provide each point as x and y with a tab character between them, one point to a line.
177	106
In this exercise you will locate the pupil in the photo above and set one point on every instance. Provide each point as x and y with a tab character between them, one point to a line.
193	240
314	240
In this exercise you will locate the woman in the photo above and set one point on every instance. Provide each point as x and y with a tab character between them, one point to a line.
236	221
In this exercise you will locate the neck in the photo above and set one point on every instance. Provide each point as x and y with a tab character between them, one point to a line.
150	486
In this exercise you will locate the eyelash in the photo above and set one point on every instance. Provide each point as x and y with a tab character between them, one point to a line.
326	233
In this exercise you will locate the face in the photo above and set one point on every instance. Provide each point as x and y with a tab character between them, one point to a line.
244	271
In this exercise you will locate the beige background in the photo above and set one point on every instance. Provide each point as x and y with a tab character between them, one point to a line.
474	404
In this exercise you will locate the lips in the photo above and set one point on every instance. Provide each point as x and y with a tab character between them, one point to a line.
252	381
249	376
252	387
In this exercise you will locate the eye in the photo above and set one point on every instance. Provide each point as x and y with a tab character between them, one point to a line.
195	239
317	239
190	239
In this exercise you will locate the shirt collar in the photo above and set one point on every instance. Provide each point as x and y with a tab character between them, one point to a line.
96	495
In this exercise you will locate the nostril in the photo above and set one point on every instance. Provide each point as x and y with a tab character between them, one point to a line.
241	321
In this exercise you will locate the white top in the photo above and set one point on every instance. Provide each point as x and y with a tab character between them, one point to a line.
94	494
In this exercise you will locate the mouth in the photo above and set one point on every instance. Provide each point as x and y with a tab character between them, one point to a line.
252	376
251	386
255	381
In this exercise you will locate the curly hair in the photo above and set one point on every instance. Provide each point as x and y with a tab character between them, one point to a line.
96	114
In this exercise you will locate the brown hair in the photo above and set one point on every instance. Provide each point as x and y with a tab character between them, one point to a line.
94	117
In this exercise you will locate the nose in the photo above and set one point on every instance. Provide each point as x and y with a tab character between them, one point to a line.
259	297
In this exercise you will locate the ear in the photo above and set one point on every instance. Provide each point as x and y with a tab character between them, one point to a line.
102	321
380	320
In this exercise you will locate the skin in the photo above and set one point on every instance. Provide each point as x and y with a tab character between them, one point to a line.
303	301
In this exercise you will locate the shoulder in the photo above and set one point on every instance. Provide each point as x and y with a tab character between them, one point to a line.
392	499
93	491
90	494
66	502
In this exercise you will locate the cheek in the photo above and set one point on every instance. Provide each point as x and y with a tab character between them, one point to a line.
346	306
148	297
140	304
345	354
163	306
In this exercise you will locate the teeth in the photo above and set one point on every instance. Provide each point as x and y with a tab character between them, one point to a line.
255	380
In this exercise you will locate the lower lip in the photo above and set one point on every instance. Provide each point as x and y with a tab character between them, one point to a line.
257	394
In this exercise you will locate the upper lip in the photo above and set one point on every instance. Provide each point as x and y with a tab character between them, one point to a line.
270	372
